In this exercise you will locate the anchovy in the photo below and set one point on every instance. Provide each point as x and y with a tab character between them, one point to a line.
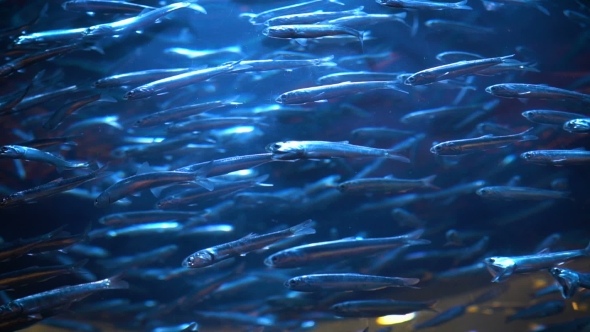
231	164
179	113
144	258
361	21
550	117
265	65
453	70
27	60
314	17
520	193
380	133
293	150
193	196
387	184
422	4
324	92
15	99
346	282
143	217
136	183
458	26
31	154
49	189
34	274
446	111
58	299
61	113
535	91
570	281
577	126
339	249
487	142
137	77
557	157
171	83
154	228
51	37
137	22
264	16
357	76
104	6
503	267
310	31
378	308
241	247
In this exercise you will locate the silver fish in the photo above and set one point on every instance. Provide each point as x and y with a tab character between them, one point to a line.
469	145
423	4
324	92
293	150
387	184
313	17
241	247
577	126
550	117
557	157
345	282
520	193
310	31
137	77
26	153
535	91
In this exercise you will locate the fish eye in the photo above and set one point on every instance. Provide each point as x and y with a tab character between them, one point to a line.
527	155
411	79
491	260
292	282
438	147
274	258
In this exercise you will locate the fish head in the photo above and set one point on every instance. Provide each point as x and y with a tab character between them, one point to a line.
577	125
530	115
283	99
343	187
500	267
419	78
12	151
536	156
199	259
137	93
488	192
103	200
445	148
280	31
286	150
502	90
568	281
298	283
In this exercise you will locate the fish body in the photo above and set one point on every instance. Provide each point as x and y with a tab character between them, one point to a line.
557	157
324	92
487	142
503	267
293	150
313	17
539	310
32	154
520	193
345	282
387	184
577	126
378	308
241	247
424	5
535	91
569	281
296	31
550	117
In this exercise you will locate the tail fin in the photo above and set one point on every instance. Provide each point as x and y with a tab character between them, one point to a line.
587	250
115	282
409	281
392	154
427	182
462	5
303	229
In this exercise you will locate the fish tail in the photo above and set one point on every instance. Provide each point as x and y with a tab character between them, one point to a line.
198	8
392	154
76	267
525	137
462	5
587	250
303	229
115	282
361	37
543	10
409	281
431	305
427	182
414	235
336	2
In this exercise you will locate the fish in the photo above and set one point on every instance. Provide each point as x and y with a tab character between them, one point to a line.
520	193
313	17
502	268
569	281
346	282
377	308
296	31
149	180
324	92
535	91
577	126
543	309
453	70
550	117
32	154
293	150
429	5
339	249
105	6
243	246
481	143
387	184
137	77
34	274
557	157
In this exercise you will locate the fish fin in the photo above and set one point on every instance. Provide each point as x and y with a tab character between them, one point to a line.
205	183
77	265
158	190
198	8
544	251
115	282
392	154
587	250
303	229
410	281
205	169
427	182
144	168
